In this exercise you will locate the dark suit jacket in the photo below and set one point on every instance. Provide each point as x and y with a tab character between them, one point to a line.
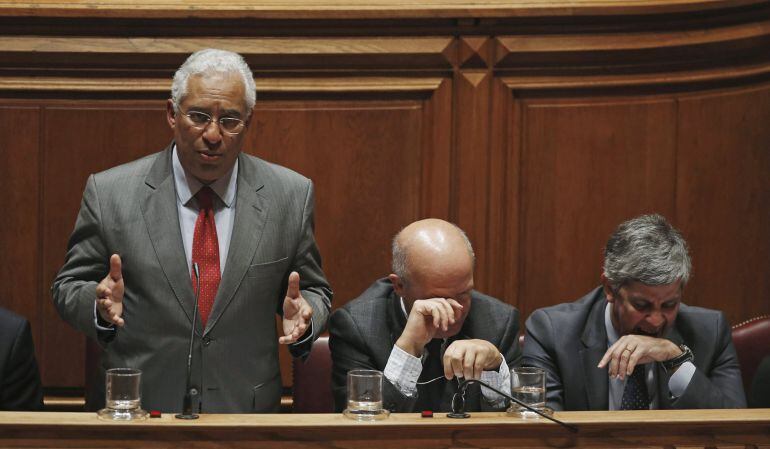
364	331
20	387
131	210
568	341
760	385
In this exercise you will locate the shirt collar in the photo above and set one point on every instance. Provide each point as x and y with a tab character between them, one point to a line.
187	186
403	307
612	334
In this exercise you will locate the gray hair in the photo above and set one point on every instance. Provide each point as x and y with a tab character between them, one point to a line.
646	249
400	254
212	60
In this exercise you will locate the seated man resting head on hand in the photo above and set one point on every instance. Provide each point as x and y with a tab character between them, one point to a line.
631	343
426	328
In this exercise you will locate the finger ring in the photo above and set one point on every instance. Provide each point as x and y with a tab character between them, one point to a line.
628	349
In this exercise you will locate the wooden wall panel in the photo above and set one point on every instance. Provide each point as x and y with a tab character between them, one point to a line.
537	129
364	159
470	186
586	165
437	150
81	138
723	198
376	165
358	153
20	183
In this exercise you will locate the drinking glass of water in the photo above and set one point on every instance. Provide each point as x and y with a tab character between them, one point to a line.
365	395
123	395
528	386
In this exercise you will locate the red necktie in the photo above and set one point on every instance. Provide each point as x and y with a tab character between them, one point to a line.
206	253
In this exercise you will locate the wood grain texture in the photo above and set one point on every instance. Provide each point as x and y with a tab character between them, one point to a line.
366	159
162	86
723	197
80	138
470	188
586	166
536	125
723	428
650	48
325	9
20	286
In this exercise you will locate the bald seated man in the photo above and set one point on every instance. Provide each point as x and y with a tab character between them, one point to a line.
426	327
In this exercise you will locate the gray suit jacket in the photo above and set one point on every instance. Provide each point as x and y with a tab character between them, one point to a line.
131	210
568	341
363	332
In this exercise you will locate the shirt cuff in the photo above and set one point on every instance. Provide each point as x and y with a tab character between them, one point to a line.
97	320
403	370
500	379
308	335
679	381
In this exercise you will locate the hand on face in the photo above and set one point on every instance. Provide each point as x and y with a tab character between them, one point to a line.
427	319
296	312
631	350
468	358
109	294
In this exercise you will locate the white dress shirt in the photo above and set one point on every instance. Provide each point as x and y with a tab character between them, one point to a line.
403	370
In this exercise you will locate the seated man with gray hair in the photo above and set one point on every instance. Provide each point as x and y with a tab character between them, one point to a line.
426	327
631	343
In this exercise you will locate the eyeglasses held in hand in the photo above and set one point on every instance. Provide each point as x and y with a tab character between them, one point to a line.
201	120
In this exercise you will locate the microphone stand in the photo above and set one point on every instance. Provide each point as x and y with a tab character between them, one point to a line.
190	391
459	412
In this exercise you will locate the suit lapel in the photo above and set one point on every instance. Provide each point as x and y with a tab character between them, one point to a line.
594	340
251	213
162	220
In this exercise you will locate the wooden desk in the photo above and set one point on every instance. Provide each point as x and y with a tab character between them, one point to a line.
686	428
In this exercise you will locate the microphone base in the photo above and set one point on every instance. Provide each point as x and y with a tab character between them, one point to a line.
186	416
460	415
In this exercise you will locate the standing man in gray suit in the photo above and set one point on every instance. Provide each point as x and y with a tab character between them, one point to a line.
631	343
130	274
426	327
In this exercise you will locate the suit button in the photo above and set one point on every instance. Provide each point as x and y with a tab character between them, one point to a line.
206	341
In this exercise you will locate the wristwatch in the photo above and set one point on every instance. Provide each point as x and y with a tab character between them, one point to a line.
676	362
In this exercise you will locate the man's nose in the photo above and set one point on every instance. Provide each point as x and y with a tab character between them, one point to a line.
656	319
211	132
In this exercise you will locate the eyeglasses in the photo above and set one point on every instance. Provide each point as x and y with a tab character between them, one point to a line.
201	120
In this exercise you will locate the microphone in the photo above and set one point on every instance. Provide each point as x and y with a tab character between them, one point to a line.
458	407
190	391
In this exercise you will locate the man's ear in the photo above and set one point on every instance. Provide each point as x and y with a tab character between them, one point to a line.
170	113
608	293
398	284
